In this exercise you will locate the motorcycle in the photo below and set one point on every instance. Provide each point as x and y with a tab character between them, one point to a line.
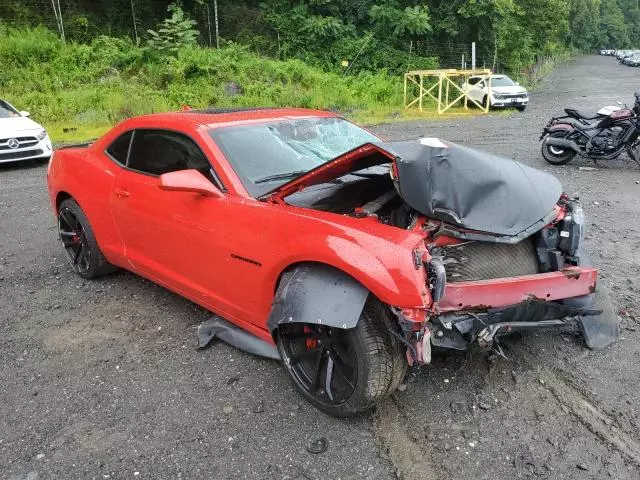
583	116
601	137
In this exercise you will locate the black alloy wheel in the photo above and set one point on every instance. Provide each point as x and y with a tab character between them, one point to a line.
79	242
321	360
343	372
74	240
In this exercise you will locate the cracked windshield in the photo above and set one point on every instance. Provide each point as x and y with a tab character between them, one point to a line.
270	154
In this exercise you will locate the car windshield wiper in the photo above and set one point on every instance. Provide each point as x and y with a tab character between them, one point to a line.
280	176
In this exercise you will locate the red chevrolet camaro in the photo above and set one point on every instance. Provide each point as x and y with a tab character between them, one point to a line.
314	242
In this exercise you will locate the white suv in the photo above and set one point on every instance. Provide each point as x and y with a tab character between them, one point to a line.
20	137
504	92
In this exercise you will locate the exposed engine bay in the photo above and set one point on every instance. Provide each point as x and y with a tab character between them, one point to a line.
466	255
485	218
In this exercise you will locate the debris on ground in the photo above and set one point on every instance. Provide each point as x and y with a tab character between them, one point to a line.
319	445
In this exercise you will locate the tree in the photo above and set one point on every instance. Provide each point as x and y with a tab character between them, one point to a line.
400	21
174	32
614	32
583	24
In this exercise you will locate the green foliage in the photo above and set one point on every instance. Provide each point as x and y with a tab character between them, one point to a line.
100	76
613	29
410	20
99	84
511	35
583	20
174	32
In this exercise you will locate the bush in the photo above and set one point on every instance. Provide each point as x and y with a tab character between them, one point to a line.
111	79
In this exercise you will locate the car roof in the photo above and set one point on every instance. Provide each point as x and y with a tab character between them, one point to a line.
221	116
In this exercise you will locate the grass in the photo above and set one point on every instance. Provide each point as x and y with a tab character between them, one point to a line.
79	91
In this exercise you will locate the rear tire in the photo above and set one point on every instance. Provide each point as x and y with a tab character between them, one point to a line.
556	155
522	108
370	365
79	241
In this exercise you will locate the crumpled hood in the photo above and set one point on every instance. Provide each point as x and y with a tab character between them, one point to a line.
454	184
472	189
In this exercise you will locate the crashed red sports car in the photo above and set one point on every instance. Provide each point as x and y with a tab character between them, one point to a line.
314	242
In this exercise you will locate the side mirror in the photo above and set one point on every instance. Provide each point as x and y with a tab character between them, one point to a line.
189	181
24	113
517	84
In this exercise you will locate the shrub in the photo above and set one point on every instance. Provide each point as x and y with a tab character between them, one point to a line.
111	79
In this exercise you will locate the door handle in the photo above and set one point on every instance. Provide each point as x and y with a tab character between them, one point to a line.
122	193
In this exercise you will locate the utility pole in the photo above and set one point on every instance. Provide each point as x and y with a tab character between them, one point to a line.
473	55
215	14
208	21
135	27
495	52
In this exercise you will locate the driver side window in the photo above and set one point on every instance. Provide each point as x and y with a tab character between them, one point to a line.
156	152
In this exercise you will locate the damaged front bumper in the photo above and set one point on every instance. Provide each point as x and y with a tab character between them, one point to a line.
501	292
460	329
480	312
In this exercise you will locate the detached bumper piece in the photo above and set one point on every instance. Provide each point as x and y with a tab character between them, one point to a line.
461	329
217	327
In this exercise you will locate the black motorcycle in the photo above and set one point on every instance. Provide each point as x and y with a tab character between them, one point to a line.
597	138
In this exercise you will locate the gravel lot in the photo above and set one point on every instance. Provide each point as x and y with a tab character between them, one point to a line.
101	379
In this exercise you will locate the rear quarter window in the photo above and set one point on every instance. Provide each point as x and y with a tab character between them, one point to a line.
119	149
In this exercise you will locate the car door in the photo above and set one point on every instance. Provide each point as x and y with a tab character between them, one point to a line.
478	91
169	236
470	87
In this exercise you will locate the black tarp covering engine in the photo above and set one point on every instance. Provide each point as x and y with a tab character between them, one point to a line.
472	189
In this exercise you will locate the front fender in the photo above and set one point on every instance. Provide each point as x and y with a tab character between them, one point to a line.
320	294
385	269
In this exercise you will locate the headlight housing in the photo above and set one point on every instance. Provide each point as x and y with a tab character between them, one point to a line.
572	230
41	134
497	97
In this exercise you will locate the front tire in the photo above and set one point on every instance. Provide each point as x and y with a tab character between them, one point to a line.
556	155
344	372
80	243
521	108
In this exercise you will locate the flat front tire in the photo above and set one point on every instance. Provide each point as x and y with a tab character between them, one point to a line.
344	372
80	243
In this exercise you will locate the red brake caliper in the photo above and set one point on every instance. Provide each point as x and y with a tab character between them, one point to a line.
310	343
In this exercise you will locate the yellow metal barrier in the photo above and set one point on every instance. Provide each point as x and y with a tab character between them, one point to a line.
445	80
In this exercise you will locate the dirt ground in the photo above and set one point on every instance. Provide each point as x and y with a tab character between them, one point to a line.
101	379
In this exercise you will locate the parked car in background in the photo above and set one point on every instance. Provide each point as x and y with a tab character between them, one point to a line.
20	137
632	60
607	52
505	93
623	55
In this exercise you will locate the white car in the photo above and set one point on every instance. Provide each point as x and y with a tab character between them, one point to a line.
504	92
20	137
